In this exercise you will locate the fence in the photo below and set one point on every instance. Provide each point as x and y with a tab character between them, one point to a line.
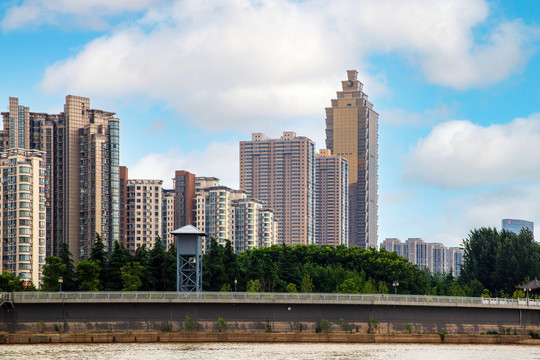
151	296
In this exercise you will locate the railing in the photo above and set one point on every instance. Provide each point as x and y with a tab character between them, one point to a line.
141	296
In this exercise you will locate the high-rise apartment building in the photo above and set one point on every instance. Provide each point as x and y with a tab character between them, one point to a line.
184	189
352	132
332	205
434	256
167	217
143	213
82	155
23	215
227	214
515	225
123	197
281	173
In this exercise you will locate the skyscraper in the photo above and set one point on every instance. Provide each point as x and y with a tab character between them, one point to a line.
332	205
281	173
22	218
82	157
351	132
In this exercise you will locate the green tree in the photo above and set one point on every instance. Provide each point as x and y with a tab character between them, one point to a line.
131	276
68	275
142	256
307	285
88	275
98	253
253	286
10	282
156	258
53	269
489	254
214	272
119	257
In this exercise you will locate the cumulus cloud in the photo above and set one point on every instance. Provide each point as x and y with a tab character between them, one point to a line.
80	13
224	64
458	153
428	117
217	160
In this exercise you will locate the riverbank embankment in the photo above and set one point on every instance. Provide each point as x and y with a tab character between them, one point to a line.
247	337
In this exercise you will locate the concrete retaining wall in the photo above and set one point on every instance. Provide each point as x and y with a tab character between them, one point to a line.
149	317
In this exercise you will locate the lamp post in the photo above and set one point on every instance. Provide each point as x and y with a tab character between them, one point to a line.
528	296
395	284
235	282
60	281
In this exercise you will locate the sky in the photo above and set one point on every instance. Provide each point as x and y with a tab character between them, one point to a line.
455	83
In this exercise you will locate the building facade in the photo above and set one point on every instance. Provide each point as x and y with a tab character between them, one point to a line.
227	214
434	256
332	200
281	173
515	225
167	217
184	189
23	215
144	206
82	157
352	132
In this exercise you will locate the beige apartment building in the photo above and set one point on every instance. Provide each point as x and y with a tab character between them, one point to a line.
227	214
167	217
332	205
434	256
281	174
23	215
144	217
352	132
82	157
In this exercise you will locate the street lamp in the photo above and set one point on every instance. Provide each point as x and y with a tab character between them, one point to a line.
395	284
528	295
60	281
235	282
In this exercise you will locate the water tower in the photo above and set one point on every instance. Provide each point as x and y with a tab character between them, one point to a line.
188	240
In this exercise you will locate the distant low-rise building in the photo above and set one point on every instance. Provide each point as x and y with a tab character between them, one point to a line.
515	225
434	256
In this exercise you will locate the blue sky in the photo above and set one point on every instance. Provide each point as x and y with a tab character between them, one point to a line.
455	83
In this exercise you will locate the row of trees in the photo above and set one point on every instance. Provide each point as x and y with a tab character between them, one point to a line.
153	269
494	262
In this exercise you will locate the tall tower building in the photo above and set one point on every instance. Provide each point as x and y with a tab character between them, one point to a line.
22	218
184	200
281	173
82	157
332	205
351	132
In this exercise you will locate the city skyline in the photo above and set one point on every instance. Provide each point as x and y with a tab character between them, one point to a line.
456	95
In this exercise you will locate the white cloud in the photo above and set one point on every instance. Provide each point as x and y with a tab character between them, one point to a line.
217	160
79	13
428	117
225	64
487	208
461	154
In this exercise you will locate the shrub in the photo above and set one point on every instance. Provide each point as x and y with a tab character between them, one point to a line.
323	326
189	324
221	324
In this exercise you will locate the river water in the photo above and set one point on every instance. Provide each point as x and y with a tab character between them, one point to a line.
219	351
